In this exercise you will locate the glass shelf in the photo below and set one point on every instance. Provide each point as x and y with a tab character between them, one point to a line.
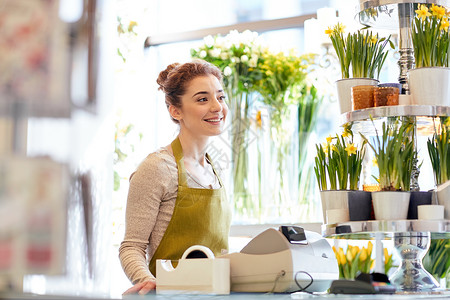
384	14
425	116
411	241
386	229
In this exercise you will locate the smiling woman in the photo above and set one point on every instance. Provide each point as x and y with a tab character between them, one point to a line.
176	197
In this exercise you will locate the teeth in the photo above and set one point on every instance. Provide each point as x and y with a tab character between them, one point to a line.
213	120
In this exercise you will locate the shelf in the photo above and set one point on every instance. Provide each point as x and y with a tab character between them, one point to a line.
384	14
361	230
424	114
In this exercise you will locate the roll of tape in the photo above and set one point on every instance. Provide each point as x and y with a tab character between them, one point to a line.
203	249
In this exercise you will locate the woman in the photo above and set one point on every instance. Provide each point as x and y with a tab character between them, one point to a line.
176	198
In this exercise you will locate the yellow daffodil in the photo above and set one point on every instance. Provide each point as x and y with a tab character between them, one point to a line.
423	12
334	148
340	28
346	133
438	11
131	25
329	31
373	39
329	139
325	147
351	149
444	25
374	162
258	119
447	122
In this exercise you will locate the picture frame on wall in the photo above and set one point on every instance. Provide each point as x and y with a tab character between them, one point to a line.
35	59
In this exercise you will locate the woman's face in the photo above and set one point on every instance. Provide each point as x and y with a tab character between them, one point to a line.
203	109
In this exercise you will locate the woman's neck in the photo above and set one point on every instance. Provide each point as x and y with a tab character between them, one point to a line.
194	148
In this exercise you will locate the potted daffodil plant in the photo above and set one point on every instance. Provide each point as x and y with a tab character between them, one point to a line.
431	44
439	152
338	166
361	56
395	153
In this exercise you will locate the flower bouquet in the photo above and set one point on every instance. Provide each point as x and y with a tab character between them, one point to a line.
282	89
237	55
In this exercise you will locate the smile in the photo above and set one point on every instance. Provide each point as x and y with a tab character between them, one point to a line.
215	120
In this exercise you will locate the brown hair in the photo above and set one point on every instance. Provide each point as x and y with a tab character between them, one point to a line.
173	81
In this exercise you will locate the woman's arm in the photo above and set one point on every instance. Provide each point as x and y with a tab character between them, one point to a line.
148	189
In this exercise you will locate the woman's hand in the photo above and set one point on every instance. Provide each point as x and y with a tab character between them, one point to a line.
141	288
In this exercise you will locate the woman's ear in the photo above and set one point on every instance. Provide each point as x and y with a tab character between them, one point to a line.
174	112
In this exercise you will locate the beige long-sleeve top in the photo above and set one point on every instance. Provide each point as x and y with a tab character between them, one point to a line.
151	200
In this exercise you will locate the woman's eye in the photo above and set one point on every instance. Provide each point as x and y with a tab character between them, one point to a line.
222	98
202	99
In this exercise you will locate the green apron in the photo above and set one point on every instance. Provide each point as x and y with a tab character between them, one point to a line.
200	217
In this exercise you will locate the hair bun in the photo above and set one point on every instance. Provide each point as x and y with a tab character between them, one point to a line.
163	75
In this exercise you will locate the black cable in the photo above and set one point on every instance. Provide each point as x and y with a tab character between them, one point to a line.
303	289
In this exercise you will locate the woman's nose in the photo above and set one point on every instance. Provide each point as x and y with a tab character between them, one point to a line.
216	105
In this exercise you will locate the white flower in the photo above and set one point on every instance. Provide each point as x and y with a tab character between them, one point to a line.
209	41
202	54
227	71
220	42
244	58
253	63
224	55
214	52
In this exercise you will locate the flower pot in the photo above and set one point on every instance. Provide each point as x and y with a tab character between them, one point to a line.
344	91
385	96
392	84
333	200
362	96
430	86
443	197
359	205
346	205
418	198
390	205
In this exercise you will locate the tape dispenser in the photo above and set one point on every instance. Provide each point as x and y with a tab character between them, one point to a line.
198	272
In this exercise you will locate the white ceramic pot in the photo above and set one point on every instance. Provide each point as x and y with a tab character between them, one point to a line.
430	86
443	197
390	205
334	200
344	91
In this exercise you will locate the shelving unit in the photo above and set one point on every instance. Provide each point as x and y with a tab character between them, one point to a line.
411	237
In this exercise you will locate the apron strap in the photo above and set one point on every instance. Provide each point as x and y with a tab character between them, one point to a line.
178	153
214	169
